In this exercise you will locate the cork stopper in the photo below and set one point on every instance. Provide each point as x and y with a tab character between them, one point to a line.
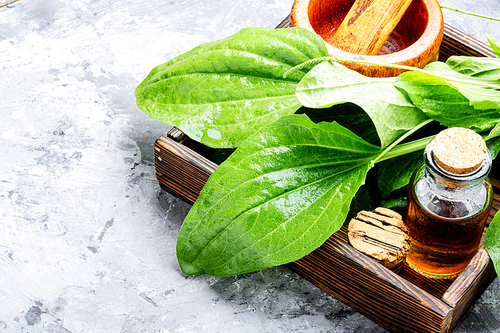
459	150
382	235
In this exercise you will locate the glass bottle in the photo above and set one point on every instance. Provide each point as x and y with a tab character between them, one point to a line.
449	200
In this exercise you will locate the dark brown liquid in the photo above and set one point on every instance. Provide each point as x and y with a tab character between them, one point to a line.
443	243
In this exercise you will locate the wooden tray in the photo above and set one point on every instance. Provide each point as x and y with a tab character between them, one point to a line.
400	303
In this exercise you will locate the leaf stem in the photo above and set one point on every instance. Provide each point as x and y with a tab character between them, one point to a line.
469	13
391	151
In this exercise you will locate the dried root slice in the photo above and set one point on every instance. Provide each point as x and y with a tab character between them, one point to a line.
382	235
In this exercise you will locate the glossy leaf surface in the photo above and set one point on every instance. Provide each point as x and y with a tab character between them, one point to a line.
348	115
278	197
395	173
483	94
495	131
451	98
221	92
481	67
329	84
493	147
492	242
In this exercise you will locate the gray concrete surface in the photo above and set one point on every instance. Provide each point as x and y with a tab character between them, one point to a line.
87	237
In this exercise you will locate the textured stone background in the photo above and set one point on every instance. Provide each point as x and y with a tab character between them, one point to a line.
87	237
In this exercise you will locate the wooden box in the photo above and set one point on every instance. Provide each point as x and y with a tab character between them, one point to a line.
400	303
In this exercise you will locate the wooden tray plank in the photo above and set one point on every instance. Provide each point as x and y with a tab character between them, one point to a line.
469	286
180	170
381	273
351	284
456	42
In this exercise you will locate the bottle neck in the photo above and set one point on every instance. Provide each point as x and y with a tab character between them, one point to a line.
447	181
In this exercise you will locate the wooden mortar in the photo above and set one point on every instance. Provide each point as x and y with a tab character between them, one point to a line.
368	25
414	41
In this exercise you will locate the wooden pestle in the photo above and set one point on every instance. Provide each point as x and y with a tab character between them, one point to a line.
368	24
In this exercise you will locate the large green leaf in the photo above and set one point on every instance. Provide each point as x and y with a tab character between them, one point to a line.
278	197
367	198
481	67
221	92
451	98
483	94
493	146
492	242
493	141
495	132
331	83
395	173
348	115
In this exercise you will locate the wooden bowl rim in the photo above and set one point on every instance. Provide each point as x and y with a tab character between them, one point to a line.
431	37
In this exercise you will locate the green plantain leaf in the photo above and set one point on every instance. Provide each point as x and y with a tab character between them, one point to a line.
395	173
348	115
367	198
278	197
451	98
492	242
220	92
392	113
493	141
480	67
493	146
495	45
400	201
495	131
483	94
